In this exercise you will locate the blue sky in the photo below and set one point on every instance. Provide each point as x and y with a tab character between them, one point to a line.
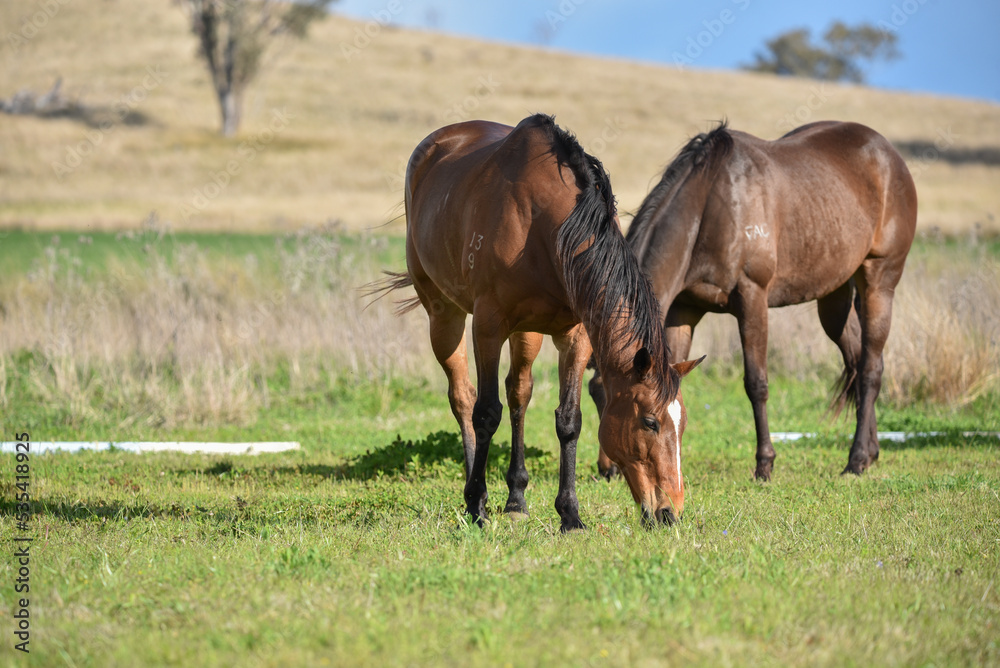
949	47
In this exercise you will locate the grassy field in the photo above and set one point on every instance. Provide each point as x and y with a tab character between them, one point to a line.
143	299
354	550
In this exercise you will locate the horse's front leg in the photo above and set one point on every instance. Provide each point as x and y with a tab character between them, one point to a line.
574	351
679	326
752	317
524	349
488	337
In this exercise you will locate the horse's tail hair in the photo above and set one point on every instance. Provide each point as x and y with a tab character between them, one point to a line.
845	392
393	281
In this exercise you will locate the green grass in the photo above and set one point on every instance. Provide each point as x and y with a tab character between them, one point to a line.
354	550
23	250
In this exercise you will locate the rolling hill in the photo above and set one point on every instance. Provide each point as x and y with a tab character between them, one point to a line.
330	124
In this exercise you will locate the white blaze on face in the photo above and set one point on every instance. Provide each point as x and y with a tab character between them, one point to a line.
674	411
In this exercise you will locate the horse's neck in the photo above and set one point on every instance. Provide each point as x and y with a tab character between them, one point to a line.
666	256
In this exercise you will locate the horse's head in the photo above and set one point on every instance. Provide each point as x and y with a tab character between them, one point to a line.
642	434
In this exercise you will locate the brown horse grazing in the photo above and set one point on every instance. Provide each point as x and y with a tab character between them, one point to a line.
517	226
738	224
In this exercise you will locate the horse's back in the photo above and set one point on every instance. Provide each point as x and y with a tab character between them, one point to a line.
810	207
861	163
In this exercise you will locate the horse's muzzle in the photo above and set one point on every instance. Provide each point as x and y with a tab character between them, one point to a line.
661	517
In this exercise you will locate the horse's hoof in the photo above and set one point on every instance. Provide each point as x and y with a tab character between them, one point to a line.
854	468
609	473
516	508
516	515
763	471
573	526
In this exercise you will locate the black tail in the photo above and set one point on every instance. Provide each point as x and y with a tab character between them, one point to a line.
845	390
393	281
845	393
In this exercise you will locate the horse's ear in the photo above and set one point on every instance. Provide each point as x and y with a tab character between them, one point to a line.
684	368
642	363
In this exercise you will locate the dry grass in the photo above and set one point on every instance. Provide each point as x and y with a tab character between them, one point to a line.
186	341
944	346
189	341
352	124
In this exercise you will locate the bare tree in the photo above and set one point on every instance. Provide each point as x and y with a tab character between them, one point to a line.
235	36
793	53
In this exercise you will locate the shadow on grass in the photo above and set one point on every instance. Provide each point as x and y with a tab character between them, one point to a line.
436	454
107	510
441	447
418	458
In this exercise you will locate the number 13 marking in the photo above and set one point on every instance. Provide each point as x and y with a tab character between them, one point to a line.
475	244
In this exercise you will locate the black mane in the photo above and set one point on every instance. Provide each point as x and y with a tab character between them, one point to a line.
702	150
606	285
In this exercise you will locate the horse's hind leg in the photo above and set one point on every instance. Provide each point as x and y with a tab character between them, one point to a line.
574	351
751	314
447	330
523	351
840	322
679	327
489	335
876	283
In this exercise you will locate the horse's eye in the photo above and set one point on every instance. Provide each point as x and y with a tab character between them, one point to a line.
651	424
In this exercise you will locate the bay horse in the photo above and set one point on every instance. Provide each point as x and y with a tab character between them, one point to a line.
517	226
738	224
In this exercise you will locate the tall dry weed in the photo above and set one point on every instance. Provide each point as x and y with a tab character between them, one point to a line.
945	341
944	345
179	338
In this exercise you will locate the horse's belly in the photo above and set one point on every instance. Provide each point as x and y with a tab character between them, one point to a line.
789	292
816	266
